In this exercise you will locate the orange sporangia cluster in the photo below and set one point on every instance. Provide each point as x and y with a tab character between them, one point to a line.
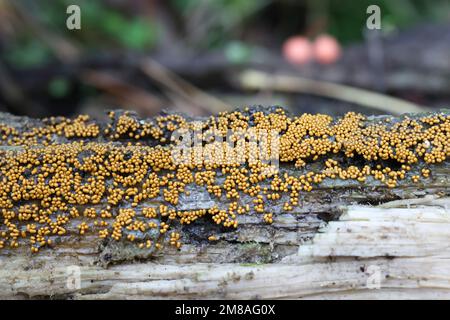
120	181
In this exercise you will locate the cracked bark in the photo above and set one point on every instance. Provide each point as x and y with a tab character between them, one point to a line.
338	243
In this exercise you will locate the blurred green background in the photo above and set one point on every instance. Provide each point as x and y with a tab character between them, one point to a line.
52	70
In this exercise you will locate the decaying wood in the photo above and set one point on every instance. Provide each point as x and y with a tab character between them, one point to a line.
339	243
370	252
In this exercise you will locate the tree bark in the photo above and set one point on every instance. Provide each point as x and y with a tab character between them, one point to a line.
347	239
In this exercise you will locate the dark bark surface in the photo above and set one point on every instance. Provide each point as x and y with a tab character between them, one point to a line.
253	241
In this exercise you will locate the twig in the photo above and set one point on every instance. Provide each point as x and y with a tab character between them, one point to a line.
258	80
181	87
15	96
129	94
63	49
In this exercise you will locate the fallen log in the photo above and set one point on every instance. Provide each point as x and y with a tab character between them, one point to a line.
346	238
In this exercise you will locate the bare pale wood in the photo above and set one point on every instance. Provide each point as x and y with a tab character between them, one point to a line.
371	252
334	245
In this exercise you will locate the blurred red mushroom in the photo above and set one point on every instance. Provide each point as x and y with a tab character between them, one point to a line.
326	49
297	50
